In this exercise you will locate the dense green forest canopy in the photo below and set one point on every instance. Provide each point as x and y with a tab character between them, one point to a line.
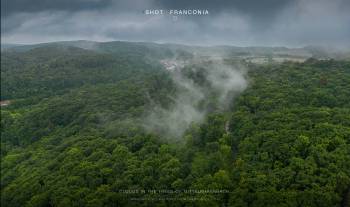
74	135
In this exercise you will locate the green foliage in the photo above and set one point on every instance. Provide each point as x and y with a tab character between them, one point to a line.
48	71
293	149
73	135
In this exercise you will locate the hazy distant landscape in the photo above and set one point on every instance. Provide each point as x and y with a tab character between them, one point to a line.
277	54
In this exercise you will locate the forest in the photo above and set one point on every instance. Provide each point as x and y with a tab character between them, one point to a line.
87	128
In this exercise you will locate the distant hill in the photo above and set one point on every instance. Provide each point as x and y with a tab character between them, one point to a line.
7	46
155	50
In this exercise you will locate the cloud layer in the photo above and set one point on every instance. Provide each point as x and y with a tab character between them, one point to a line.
242	23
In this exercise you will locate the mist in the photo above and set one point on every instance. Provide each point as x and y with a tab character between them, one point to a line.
222	83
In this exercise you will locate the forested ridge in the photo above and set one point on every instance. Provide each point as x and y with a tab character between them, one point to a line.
74	133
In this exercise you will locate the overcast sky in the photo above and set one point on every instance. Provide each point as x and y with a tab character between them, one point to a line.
231	22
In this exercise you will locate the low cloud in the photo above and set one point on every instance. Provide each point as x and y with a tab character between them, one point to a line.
221	83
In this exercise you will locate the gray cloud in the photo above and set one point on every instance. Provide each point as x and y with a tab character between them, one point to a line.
250	22
10	7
